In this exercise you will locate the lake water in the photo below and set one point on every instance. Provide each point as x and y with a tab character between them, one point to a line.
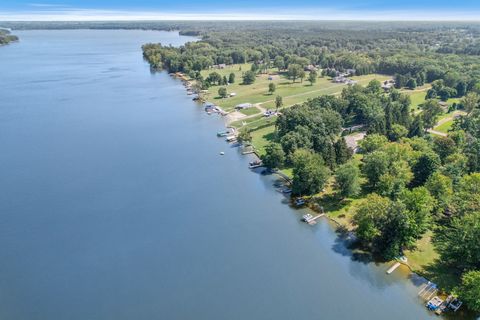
115	203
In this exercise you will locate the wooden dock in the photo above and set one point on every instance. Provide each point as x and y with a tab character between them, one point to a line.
392	268
313	220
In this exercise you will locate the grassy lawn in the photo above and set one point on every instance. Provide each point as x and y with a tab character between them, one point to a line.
262	137
258	91
417	99
424	254
250	111
255	122
444	127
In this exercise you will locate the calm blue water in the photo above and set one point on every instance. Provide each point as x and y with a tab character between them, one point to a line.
114	202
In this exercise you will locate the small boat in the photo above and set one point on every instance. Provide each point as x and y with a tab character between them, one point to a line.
455	304
223	133
255	164
299	202
231	139
434	304
307	217
286	190
222	153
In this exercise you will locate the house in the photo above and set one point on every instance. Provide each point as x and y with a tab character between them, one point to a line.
243	106
222	66
343	79
311	67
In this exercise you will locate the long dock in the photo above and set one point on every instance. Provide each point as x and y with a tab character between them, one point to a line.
392	268
313	220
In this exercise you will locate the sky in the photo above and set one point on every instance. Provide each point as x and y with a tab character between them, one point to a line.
61	10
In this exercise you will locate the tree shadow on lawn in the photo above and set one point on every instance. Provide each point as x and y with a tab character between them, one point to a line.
330	202
270	137
441	274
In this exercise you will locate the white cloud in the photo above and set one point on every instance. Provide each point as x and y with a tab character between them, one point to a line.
55	13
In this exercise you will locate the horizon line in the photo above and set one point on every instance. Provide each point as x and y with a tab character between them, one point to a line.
316	14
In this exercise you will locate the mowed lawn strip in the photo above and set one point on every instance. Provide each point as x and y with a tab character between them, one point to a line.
258	91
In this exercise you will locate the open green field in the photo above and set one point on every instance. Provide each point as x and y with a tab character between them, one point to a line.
250	111
257	92
417	96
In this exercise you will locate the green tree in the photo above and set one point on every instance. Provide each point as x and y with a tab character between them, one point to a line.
249	77
244	136
419	205
444	147
342	152
372	142
374	166
231	78
395	179
457	242
411	83
471	101
455	167
274	156
302	75
271	88
294	71
374	87
417	129
278	103
467	195
431	111
424	167
224	81
279	63
470	290
312	77
347	178
397	132
309	173
367	217
214	78
441	188
222	92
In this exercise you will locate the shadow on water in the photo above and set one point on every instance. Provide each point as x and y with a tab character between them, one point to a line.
347	245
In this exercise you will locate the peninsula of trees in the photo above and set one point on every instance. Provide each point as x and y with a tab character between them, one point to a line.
6	37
